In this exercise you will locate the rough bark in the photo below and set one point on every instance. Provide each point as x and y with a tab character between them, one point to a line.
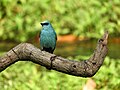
85	68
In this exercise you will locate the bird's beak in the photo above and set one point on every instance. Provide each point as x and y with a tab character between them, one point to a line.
41	23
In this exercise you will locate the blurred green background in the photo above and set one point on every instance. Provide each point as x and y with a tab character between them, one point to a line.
20	22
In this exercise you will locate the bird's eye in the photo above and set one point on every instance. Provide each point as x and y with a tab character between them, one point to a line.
45	23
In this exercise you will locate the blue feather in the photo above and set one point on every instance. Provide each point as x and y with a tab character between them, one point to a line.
48	37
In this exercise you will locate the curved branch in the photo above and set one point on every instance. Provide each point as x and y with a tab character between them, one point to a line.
85	68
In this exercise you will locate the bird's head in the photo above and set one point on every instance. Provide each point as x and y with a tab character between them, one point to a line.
46	24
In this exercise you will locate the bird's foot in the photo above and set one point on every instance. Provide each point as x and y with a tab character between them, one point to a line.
52	58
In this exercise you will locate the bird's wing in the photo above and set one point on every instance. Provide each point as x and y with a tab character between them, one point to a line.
55	36
39	34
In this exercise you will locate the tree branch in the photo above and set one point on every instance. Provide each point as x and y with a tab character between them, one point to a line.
85	68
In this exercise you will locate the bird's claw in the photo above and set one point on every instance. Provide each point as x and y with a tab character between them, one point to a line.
52	58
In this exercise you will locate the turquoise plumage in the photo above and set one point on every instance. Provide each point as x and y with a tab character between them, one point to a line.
48	37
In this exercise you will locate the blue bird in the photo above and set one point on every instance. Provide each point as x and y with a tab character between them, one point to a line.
48	37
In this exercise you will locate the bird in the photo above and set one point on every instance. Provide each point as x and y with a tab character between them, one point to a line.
48	37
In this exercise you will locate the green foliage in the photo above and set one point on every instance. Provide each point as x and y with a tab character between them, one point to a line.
28	76
109	75
19	19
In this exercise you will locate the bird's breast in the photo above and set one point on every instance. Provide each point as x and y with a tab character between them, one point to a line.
47	39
